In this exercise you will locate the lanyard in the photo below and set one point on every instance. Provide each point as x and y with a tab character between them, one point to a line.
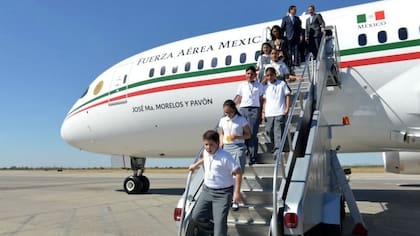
251	88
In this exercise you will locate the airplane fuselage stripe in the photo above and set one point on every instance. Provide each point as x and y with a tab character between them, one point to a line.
343	64
380	60
381	47
225	80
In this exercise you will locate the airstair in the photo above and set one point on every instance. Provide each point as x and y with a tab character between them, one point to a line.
298	192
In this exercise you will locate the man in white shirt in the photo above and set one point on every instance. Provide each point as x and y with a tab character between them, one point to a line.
276	104
249	98
212	207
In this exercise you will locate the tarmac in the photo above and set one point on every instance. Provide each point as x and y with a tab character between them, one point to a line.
94	203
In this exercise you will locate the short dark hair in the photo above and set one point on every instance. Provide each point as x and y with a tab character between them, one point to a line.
211	135
251	68
291	7
312	6
271	69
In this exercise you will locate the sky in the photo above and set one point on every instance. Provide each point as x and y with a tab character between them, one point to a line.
50	51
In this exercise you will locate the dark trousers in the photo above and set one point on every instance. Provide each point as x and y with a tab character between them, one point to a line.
211	211
314	43
294	51
252	115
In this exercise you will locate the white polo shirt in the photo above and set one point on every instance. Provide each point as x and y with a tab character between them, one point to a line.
218	169
250	93
263	60
280	67
275	98
233	126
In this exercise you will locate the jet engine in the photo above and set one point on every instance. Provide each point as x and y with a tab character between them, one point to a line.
402	162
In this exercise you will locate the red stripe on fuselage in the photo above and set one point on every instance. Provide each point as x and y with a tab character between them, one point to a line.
166	88
379	60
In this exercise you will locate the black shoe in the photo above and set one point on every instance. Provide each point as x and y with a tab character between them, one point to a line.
252	161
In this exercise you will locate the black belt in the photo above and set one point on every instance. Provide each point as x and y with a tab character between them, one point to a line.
251	107
218	189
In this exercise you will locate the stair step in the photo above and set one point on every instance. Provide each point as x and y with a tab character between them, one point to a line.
248	229
256	197
251	214
259	170
259	183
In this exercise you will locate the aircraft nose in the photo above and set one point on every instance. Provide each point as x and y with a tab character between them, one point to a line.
66	133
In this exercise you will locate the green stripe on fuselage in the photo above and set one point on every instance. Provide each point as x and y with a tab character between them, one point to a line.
168	78
381	47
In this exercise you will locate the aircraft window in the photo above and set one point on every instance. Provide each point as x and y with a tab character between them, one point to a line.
362	40
242	58
174	69
200	64
382	36
151	72
257	54
125	79
214	62
228	60
84	93
402	33
187	66
162	70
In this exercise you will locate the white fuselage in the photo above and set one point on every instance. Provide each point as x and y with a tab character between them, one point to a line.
159	102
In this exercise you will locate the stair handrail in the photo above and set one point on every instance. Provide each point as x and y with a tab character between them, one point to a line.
187	189
284	136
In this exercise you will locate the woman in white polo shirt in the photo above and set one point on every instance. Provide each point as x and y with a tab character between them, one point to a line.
234	130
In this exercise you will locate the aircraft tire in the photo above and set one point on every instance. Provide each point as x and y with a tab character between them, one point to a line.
145	184
133	185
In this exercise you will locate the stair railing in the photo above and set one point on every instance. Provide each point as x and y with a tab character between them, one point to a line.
319	85
285	136
187	191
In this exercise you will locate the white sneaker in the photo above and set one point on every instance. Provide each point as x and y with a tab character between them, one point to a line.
235	206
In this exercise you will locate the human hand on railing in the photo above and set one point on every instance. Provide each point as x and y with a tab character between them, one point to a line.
298	77
192	167
236	198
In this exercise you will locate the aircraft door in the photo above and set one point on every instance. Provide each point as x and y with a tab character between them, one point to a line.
118	88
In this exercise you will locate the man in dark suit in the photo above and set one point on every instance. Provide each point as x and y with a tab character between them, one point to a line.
292	26
315	26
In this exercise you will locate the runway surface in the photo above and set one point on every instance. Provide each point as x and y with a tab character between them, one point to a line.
79	203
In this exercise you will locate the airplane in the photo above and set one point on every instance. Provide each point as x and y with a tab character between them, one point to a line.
157	103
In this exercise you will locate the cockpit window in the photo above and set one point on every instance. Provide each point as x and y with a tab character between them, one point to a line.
85	92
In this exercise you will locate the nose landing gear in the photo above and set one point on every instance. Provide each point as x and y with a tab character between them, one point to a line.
137	183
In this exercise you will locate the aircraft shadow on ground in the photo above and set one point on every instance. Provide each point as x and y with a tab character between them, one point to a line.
393	212
162	191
